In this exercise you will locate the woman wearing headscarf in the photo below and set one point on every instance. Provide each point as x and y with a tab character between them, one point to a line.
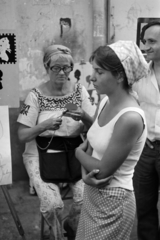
42	114
108	211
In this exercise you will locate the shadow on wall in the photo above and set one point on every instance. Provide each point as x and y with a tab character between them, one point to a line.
17	148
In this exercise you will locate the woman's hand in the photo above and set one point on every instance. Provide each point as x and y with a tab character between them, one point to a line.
52	123
89	149
84	146
90	178
77	114
26	134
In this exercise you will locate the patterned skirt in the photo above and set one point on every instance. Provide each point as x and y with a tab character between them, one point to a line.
107	214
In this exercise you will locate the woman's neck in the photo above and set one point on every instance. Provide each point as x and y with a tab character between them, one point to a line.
120	98
54	89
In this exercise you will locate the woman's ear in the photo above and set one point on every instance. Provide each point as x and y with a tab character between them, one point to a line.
120	79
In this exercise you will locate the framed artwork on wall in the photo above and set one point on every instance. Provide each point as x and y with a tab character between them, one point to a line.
9	74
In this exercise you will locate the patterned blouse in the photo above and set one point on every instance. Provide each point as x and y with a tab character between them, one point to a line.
38	107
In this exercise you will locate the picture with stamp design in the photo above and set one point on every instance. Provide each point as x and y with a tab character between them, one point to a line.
7	48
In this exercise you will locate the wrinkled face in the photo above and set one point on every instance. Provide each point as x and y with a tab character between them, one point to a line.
152	43
103	80
59	71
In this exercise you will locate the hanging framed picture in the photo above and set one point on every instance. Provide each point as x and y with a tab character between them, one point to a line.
9	77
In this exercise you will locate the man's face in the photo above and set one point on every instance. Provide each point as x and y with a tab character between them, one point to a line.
152	43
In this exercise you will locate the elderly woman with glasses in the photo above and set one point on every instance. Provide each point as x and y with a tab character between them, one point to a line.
42	114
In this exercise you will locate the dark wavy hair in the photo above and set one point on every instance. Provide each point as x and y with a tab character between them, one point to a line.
107	59
145	27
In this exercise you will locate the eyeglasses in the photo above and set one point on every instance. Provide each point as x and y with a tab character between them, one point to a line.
57	69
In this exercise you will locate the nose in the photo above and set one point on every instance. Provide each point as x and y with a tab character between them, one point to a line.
92	78
147	47
61	71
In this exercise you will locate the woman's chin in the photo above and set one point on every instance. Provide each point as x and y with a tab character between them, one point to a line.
98	92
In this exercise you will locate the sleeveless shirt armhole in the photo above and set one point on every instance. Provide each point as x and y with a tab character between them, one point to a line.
144	124
141	113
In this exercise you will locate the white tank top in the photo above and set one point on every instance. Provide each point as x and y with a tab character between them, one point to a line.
99	138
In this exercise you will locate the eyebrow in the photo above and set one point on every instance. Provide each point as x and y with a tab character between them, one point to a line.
149	39
98	68
58	65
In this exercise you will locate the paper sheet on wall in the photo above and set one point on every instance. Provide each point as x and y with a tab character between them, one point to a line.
5	148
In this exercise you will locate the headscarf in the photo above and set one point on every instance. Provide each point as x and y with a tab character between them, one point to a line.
54	50
132	59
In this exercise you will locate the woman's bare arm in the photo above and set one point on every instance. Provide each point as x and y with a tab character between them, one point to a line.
26	134
126	132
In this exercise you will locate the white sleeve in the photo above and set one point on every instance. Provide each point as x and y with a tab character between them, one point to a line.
87	106
29	111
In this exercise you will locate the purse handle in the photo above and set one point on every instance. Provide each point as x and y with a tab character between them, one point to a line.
50	140
47	144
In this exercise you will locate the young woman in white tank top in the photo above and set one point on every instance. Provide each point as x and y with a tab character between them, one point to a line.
113	145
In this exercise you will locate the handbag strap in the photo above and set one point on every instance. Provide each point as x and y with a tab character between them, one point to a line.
47	144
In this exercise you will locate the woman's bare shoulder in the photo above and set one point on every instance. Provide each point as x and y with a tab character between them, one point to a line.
131	121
